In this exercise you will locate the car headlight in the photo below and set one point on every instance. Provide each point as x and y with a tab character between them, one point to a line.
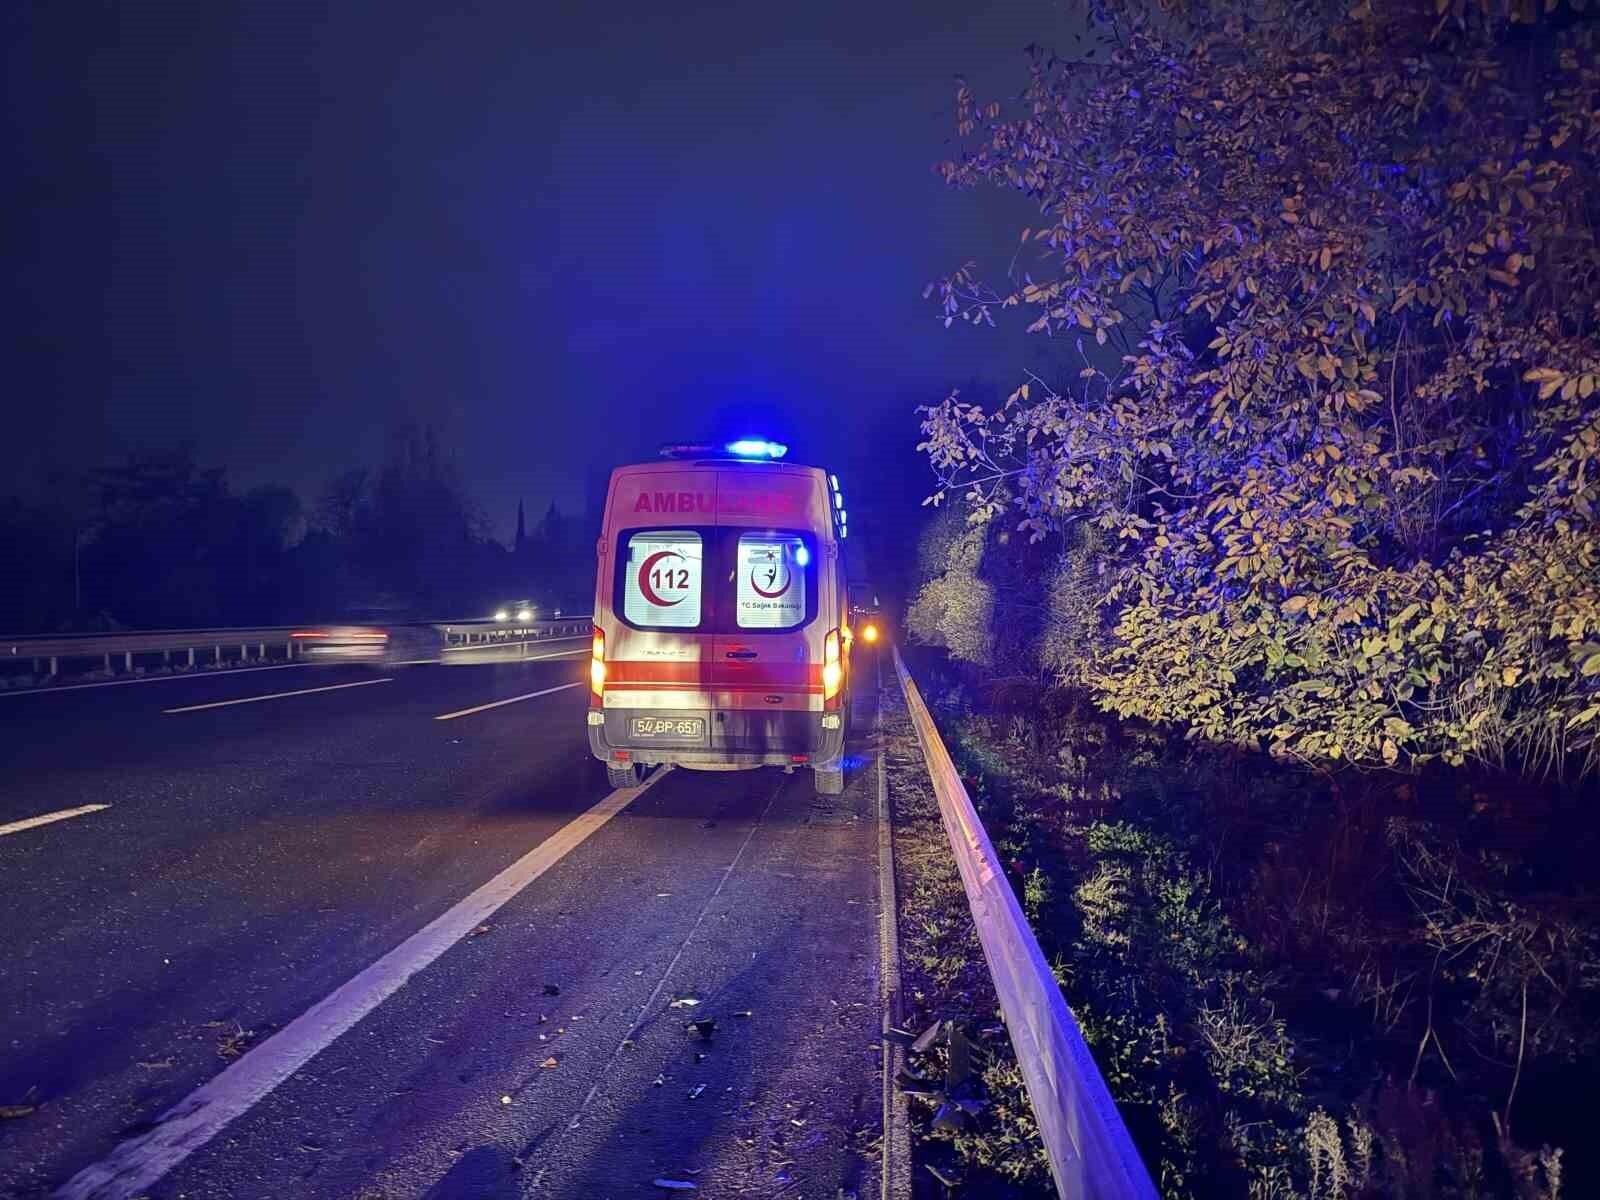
502	615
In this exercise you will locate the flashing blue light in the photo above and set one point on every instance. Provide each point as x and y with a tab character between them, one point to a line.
756	448
835	480
843	516
801	556
844	531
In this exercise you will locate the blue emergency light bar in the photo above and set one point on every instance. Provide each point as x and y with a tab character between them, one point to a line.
752	449
756	448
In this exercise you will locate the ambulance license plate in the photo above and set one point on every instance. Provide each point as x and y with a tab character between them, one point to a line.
667	729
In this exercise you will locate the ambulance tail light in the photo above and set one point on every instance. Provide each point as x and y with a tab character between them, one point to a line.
832	668
597	664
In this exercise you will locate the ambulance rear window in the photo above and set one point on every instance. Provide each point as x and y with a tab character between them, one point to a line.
771	581
661	580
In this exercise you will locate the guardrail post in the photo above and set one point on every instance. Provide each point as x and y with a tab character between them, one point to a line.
108	662
127	661
262	649
218	649
191	656
166	658
244	653
53	665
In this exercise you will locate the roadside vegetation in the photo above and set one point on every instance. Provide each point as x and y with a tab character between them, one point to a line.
1268	627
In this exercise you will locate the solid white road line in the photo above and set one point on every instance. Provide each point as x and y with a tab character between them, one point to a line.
138	1162
195	674
62	815
467	712
332	687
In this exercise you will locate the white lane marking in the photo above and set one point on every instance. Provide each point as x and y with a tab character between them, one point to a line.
467	712
577	637
138	1162
47	818
638	1021
332	687
195	674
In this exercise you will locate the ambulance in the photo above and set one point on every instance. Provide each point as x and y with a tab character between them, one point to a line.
721	616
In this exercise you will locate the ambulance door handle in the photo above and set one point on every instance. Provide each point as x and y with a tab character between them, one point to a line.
742	654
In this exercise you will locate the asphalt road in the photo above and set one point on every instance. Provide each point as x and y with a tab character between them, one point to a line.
271	907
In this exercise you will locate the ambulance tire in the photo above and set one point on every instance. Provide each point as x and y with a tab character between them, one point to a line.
623	777
829	781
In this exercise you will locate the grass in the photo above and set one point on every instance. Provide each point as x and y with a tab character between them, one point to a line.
1296	987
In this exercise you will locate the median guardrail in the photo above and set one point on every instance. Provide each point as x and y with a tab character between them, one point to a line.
1091	1155
111	653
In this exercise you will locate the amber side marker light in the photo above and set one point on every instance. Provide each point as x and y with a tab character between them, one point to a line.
869	633
597	664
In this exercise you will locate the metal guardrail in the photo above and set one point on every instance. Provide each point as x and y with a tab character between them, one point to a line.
468	633
213	647
1091	1155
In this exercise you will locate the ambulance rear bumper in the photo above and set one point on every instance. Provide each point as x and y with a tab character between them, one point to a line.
719	738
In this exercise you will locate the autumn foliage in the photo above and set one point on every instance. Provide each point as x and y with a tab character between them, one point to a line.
1330	286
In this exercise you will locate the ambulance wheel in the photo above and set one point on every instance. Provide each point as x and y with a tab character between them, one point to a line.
829	781
623	777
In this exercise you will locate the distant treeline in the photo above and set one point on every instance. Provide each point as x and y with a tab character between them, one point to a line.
160	542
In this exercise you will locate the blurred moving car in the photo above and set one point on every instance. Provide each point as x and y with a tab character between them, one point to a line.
348	642
518	610
369	641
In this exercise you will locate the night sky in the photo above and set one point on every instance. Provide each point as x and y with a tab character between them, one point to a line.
560	233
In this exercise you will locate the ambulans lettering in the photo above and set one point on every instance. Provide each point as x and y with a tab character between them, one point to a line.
732	503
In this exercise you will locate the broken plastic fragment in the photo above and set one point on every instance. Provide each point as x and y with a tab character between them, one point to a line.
695	1091
928	1038
505	1099
914	1084
551	989
674	1185
702	1028
949	1181
959	1068
689	1001
550	1062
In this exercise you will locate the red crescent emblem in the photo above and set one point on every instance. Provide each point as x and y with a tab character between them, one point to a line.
760	591
649	592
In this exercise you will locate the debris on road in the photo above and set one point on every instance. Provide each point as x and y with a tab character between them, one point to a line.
232	1045
11	1112
927	1038
949	1181
505	1099
958	1069
550	1062
694	1092
702	1028
479	931
689	1000
674	1185
551	989
745	1013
